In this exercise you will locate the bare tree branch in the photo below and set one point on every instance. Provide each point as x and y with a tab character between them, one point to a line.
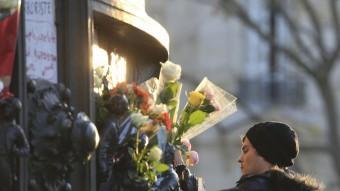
251	116
320	75
315	148
314	18
295	32
336	24
245	18
335	18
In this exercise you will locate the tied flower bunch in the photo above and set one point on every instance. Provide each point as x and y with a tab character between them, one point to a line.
166	91
200	105
206	105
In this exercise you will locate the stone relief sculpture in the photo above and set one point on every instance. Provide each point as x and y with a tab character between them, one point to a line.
13	142
58	136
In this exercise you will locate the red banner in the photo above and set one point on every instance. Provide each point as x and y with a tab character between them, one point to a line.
8	36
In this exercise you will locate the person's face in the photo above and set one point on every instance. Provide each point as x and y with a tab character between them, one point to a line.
251	163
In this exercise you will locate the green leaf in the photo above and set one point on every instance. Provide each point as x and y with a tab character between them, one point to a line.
166	95
143	166
161	167
206	101
169	92
173	86
172	104
153	177
207	108
197	117
131	151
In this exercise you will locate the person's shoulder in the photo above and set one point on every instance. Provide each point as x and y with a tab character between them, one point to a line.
231	189
251	183
254	183
291	180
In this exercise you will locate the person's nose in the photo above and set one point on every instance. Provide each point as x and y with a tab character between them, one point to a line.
240	158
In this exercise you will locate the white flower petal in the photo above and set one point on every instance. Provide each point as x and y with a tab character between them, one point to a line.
171	71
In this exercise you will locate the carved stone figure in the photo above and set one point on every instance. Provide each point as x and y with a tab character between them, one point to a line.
13	142
58	135
113	153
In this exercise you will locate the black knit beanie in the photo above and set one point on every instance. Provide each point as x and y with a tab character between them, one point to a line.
276	142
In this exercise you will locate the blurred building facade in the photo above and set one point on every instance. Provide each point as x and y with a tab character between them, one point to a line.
206	42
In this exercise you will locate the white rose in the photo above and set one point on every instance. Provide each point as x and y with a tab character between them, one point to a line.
171	71
155	153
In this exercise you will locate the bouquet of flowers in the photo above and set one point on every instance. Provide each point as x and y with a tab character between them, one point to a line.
134	154
150	141
207	105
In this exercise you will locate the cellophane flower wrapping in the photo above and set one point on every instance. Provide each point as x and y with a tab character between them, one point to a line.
196	119
152	87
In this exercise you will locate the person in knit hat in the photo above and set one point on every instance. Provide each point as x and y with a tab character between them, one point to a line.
268	150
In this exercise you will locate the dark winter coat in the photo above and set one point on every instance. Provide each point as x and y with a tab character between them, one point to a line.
275	180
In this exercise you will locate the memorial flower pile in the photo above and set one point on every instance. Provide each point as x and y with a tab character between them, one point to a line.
159	129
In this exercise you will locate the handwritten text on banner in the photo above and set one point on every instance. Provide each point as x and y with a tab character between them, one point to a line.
41	39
